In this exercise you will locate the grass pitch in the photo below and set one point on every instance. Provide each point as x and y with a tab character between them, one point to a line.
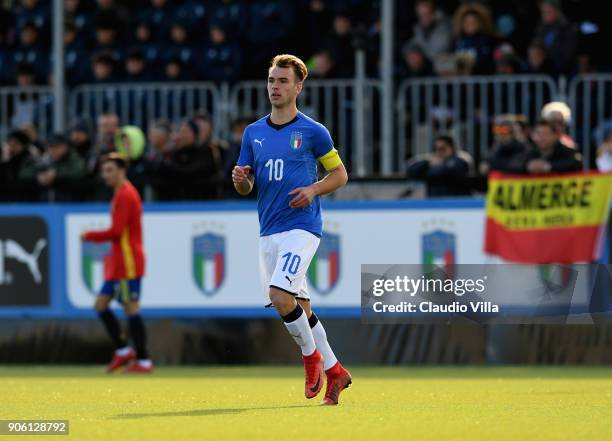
267	403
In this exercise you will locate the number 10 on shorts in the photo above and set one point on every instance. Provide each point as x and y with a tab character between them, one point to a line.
292	263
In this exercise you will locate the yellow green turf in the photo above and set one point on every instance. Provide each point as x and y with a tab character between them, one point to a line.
267	403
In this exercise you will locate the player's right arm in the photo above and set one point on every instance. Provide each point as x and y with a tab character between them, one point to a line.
242	177
243	180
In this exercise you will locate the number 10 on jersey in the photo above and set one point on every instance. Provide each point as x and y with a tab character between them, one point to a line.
275	171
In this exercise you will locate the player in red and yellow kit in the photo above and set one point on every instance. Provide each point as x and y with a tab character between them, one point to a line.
123	267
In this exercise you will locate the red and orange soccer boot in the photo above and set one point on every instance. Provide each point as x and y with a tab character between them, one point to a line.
139	367
120	360
338	379
313	365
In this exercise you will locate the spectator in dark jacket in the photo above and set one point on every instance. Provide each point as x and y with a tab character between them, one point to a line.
108	36
474	36
444	171
80	139
18	169
206	139
159	148
221	60
136	67
143	40
558	36
415	63
104	68
322	65
508	152
30	50
551	155
560	115
180	46
61	171
25	107
433	31
75	56
340	45
175	71
188	172
537	59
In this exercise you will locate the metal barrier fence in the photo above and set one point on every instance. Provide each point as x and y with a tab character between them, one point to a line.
334	104
138	104
589	98
20	106
464	107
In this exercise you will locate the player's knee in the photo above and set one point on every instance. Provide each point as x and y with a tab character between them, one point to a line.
101	304
131	308
305	304
281	300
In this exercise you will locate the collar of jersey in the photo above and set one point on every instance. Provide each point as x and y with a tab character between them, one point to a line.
281	126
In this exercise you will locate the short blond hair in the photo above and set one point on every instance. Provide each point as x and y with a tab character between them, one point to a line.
295	63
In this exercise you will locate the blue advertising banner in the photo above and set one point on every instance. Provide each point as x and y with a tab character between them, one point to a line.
202	258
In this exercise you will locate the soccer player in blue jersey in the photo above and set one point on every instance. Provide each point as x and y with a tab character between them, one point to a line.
279	155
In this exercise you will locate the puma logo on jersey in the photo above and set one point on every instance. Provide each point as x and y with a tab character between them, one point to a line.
290	281
260	142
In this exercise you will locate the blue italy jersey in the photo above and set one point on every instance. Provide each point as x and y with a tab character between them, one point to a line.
283	158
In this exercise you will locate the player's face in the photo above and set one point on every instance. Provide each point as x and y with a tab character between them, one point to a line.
283	87
110	174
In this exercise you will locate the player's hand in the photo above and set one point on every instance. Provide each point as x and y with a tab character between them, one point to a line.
240	174
303	197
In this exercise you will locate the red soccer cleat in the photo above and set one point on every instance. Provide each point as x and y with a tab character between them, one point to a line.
120	360
313	365
138	368
338	379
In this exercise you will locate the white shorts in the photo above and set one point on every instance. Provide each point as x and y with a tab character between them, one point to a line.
284	259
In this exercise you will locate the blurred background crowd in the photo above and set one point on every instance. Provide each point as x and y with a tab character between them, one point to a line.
229	40
136	41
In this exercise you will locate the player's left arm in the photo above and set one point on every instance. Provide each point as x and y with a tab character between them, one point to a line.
119	222
335	178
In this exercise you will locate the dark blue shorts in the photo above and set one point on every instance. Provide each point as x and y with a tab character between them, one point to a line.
123	290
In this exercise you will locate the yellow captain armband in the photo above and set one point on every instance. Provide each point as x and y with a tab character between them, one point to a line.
330	160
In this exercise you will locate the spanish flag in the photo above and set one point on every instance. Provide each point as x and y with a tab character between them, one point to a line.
552	218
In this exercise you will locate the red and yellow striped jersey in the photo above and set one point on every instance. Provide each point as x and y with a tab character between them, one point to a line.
126	260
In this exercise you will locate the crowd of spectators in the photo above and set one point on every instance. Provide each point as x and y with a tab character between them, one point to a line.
502	38
517	148
173	161
227	40
184	161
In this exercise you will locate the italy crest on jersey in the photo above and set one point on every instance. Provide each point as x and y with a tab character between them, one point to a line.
209	262
296	140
